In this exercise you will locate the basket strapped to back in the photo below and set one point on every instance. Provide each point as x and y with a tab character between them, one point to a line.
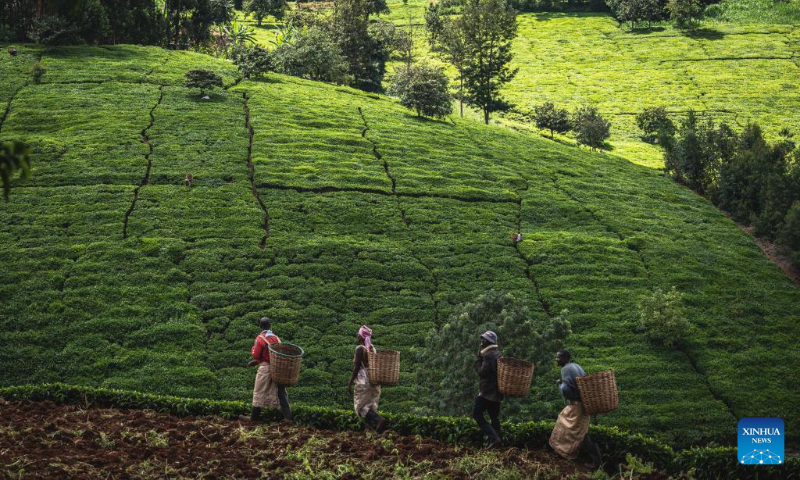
514	376
384	367
599	392
285	360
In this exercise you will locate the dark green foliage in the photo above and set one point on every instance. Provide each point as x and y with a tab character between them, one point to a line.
434	23
488	28
261	8
590	128
202	79
616	445
655	124
222	11
423	88
365	55
789	232
37	72
695	157
313	54
548	117
662	316
252	60
13	156
54	30
447	380
684	13
636	11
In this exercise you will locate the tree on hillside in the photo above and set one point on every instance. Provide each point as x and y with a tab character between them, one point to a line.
685	13
313	54
453	46
366	56
434	24
547	116
188	21
663	318
222	11
202	79
424	89
14	156
635	11
489	27
655	124
261	8
446	379
252	60
590	128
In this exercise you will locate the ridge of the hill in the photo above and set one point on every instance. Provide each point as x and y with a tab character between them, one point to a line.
366	214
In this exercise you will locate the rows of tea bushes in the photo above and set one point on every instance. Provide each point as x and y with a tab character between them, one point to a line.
117	274
615	444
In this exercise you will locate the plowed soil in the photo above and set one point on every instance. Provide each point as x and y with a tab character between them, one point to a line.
45	440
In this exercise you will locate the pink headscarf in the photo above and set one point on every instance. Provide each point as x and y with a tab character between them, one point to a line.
366	333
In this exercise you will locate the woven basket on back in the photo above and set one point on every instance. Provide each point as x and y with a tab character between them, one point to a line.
284	360
514	376
384	367
599	392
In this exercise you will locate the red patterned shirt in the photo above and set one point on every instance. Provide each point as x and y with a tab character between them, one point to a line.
260	350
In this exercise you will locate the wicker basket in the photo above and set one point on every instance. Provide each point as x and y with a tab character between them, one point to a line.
599	392
384	367
285	360
514	376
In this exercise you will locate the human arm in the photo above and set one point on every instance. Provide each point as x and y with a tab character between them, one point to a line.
357	360
256	352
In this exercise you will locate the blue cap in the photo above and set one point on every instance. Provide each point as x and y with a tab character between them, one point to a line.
489	336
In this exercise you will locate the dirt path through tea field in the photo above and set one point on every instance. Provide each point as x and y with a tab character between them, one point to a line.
45	440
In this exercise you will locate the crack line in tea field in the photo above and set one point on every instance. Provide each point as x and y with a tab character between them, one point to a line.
376	191
146	178
8	105
528	263
608	228
434	277
252	170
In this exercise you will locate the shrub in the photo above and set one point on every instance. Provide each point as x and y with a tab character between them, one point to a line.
202	79
252	60
446	372
684	12
655	124
13	156
37	72
590	128
547	116
315	55
423	88
261	8
663	317
54	30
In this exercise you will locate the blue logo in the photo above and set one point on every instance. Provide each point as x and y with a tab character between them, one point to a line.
761	441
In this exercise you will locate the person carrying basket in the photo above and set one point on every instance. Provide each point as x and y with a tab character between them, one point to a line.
266	393
489	396
571	432
365	395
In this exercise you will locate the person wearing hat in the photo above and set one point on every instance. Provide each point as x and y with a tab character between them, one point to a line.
266	393
489	397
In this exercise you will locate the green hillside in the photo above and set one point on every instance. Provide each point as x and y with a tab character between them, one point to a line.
116	274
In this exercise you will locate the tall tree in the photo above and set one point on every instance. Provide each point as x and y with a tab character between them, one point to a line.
489	27
261	8
454	49
366	55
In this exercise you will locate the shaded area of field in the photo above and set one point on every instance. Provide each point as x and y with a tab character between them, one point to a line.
43	440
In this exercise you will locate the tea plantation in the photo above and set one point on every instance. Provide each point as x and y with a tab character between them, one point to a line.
324	208
737	67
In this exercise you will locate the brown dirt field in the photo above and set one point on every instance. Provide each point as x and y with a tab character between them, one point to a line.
45	440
